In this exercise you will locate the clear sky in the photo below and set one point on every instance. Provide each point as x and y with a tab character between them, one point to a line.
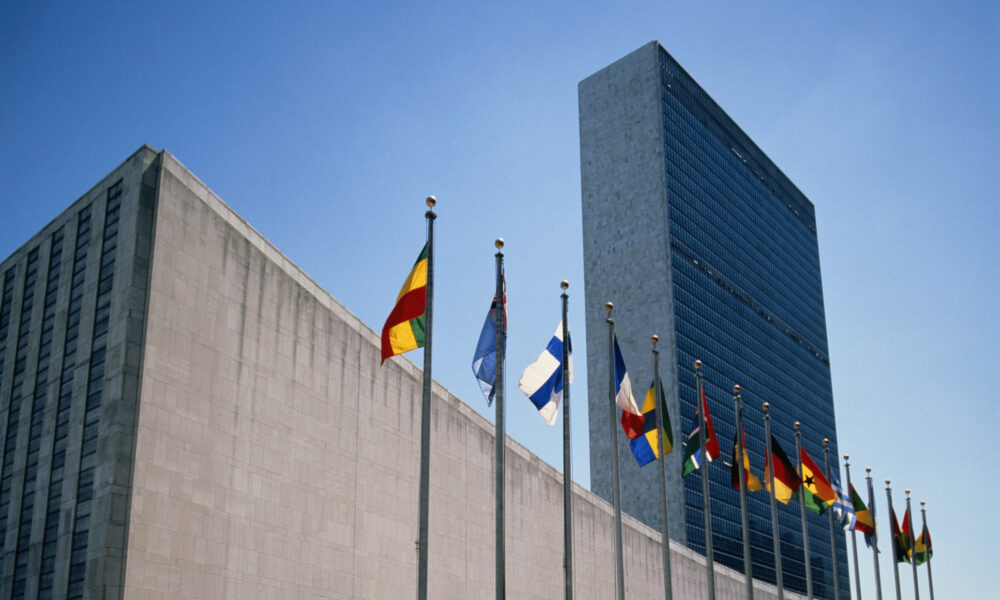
325	124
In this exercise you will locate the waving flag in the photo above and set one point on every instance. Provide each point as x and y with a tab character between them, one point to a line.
623	385
542	381
484	361
642	432
752	483
864	522
843	509
819	494
786	480
404	329
692	451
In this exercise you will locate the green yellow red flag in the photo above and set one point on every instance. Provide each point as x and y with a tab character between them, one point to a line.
404	329
818	493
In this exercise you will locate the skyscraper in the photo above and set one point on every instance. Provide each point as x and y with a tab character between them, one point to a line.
696	236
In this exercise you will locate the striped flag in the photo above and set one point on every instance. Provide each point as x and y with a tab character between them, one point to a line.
819	494
404	329
542	380
642	432
786	480
623	385
842	506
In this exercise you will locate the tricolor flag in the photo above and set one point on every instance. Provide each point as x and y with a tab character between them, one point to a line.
922	551
818	493
843	509
642	432
906	535
752	483
404	329
864	521
484	361
542	381
692	451
623	385
786	480
898	544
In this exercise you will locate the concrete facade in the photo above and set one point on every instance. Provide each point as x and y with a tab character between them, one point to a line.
250	445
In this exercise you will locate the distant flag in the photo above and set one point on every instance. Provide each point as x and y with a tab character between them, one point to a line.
692	451
484	361
897	538
542	381
642	432
819	494
786	480
752	483
404	329
864	520
906	535
922	551
842	506
623	385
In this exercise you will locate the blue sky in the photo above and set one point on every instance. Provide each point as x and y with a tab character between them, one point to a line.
325	124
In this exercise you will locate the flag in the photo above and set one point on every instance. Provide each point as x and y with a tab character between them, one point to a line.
752	483
404	329
843	509
542	381
692	451
898	544
623	385
484	361
864	521
641	430
907	533
786	480
818	493
922	550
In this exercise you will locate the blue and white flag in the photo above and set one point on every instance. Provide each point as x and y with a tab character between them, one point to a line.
484	361
542	381
623	385
843	509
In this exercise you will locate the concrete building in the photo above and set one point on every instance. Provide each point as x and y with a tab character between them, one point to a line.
695	235
185	414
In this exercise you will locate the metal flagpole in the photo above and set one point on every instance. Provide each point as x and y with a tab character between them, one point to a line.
425	411
927	548
871	505
702	435
854	537
833	529
501	430
747	567
660	466
802	511
567	456
913	550
619	563
895	554
774	506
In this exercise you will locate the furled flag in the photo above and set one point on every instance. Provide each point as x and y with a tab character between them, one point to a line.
542	381
842	507
484	361
818	493
692	451
404	329
623	385
864	521
906	535
922	551
898	544
786	480
641	430
752	483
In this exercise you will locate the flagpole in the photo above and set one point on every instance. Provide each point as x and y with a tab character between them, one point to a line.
927	548
747	568
617	494
913	551
567	456
895	542
833	529
668	593
702	436
774	506
802	511
854	538
871	508
501	429
425	411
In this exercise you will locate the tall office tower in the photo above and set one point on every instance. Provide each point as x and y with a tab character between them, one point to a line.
696	236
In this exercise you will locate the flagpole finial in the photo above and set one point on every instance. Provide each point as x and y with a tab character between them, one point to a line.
826	442
431	201
767	405
796	425
847	458
887	483
907	492
736	389
922	503
564	285
868	469
697	364
608	306
655	338
499	243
